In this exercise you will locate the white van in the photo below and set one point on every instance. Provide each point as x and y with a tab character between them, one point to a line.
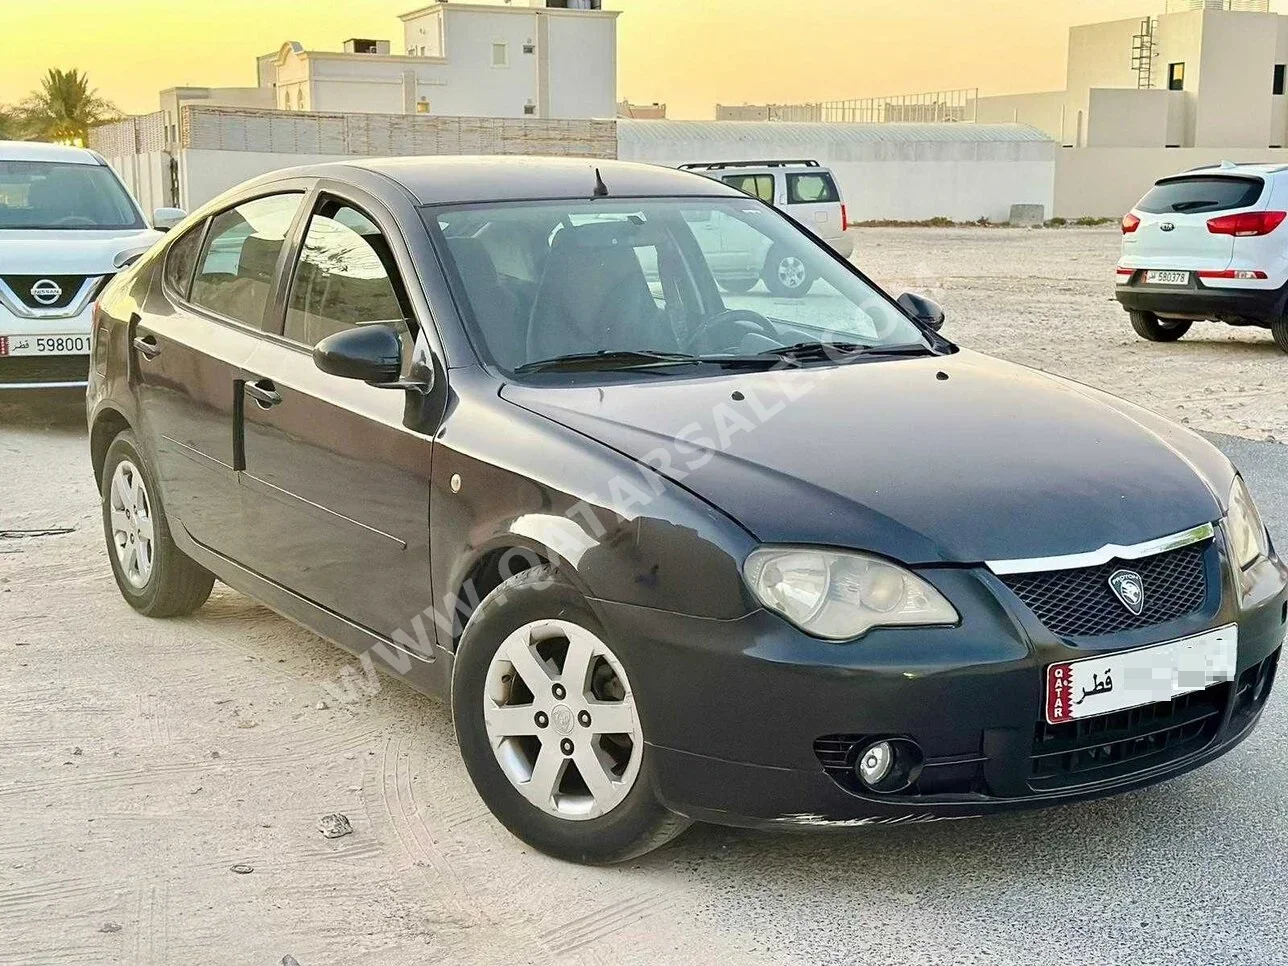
805	191
67	225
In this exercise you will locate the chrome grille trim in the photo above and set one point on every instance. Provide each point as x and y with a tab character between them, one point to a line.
1096	558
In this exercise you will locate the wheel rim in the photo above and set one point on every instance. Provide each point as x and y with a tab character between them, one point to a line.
130	509
561	720
791	272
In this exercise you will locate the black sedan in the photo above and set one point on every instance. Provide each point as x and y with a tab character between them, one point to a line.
675	553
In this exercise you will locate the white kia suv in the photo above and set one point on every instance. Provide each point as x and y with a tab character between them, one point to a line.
67	225
804	191
1208	244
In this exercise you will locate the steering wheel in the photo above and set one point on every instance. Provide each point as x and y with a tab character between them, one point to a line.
727	316
71	220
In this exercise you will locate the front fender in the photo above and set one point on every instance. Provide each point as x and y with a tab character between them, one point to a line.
620	531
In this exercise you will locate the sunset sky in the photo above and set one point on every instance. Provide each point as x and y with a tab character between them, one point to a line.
688	53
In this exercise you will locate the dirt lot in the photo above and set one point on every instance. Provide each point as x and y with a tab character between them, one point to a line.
140	761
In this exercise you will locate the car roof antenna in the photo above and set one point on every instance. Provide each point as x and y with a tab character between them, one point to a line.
601	189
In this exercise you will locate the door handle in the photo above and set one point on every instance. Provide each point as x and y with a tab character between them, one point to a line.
264	393
147	346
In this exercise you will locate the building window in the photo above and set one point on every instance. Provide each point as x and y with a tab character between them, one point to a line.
422	106
1278	87
500	55
1176	77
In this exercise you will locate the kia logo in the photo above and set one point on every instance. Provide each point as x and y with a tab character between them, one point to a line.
46	291
1166	226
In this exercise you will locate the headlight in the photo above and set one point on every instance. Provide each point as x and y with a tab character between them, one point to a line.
840	596
1248	539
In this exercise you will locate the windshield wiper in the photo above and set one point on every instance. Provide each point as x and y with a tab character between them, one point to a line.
608	360
814	351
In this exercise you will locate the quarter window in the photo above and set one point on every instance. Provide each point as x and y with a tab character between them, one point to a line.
240	257
181	259
811	189
345	278
757	185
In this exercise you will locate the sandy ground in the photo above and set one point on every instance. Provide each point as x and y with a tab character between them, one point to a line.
140	761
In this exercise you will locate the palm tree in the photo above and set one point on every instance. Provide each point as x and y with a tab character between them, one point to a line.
64	108
8	124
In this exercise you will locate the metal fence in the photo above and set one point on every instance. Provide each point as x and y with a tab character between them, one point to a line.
928	108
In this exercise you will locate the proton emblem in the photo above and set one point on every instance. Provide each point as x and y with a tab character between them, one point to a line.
1166	226
46	291
1129	589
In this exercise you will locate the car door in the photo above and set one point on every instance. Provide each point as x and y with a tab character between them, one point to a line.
187	352
339	485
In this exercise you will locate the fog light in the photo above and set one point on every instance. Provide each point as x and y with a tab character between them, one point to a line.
875	763
889	765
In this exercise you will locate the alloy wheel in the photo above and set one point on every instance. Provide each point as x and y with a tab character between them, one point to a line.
561	720
791	272
132	527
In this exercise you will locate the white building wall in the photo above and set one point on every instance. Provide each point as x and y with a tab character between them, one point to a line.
1125	118
899	178
581	54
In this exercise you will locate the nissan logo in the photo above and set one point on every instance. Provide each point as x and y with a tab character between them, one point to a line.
46	291
1166	226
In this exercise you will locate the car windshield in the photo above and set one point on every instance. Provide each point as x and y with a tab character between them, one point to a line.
56	194
654	283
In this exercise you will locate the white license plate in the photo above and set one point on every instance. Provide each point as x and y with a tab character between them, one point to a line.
1167	278
44	345
1128	679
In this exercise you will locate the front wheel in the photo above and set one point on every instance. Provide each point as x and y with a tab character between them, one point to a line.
154	576
1150	327
786	274
1279	329
549	726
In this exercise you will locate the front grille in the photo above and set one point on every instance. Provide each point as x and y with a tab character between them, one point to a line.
21	286
24	370
1124	742
1080	603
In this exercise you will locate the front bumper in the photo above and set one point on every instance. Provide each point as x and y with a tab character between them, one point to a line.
736	737
1198	301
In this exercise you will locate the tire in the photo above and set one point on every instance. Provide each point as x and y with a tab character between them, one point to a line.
162	582
1279	329
572	823
1150	327
738	286
786	275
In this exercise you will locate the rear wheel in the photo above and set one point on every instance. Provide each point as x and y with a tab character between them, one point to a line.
1149	326
786	274
1279	329
153	574
549	729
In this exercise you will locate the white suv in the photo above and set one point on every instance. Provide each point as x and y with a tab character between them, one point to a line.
67	225
1208	244
803	190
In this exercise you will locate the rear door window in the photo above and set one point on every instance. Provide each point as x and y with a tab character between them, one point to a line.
816	188
757	185
1196	195
239	259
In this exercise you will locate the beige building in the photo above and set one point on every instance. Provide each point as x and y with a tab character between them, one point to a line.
1208	74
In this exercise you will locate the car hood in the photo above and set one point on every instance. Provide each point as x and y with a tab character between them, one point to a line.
71	252
958	458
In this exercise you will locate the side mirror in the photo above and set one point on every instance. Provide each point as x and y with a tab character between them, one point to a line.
163	219
924	310
372	353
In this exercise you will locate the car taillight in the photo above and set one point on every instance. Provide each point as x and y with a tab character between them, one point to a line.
1130	223
845	220
1247	223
